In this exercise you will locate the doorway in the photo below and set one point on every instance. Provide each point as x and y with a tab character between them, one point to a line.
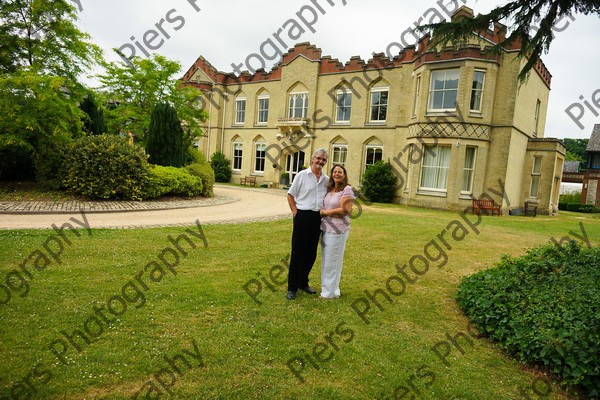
294	164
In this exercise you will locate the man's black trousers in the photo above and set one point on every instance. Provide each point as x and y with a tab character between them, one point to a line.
305	240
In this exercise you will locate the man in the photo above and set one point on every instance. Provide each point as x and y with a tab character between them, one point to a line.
305	198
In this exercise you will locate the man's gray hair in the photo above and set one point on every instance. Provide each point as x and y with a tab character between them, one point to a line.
320	151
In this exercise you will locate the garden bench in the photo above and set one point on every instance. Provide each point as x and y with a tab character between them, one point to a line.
480	204
248	181
530	207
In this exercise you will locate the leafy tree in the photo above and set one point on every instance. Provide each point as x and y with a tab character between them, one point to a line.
42	35
576	147
379	182
35	111
138	90
94	123
523	14
221	165
166	144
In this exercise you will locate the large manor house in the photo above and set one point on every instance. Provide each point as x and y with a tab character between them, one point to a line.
455	124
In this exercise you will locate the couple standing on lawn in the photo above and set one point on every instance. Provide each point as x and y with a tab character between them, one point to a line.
319	203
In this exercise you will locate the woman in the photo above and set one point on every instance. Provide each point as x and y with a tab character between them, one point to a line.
335	224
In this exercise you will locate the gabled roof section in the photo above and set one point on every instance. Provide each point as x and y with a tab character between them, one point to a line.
594	143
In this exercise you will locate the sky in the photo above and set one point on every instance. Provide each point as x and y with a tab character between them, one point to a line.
226	32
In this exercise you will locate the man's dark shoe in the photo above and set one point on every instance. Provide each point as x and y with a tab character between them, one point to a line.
309	290
291	295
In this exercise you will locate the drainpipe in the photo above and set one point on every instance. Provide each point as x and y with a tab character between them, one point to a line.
223	126
207	155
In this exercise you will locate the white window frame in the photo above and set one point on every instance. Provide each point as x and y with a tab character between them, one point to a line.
417	94
379	89
374	147
236	156
535	177
477	91
292	105
469	169
339	147
343	92
258	157
438	168
260	111
240	110
432	91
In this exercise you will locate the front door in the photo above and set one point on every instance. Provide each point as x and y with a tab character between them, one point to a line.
294	164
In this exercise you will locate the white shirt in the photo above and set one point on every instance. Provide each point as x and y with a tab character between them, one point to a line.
307	192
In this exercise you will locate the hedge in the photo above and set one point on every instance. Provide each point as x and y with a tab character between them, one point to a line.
171	180
206	173
544	307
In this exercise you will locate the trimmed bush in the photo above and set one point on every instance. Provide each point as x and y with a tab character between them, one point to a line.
194	156
204	172
570	198
379	182
105	167
543	307
587	208
573	206
171	180
562	205
221	165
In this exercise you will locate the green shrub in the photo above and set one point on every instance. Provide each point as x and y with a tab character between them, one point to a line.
543	306
204	172
166	142
105	167
570	198
587	208
573	206
50	165
171	180
221	165
562	205
194	156
379	182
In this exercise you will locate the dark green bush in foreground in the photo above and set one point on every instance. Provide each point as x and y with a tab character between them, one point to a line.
171	180
545	307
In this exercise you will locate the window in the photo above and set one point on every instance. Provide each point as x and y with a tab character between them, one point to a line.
443	90
477	90
259	157
240	110
340	153
344	104
374	154
594	160
263	109
379	101
417	93
536	117
434	170
469	167
298	105
535	176
237	156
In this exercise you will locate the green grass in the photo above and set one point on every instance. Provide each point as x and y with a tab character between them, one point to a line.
245	346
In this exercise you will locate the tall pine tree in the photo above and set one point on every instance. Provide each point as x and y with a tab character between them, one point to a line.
166	142
94	124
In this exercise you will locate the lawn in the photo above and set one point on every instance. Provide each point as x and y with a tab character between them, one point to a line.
183	321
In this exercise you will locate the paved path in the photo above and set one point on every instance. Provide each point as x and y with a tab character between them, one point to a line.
230	205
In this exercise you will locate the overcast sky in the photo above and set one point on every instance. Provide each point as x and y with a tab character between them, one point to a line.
227	32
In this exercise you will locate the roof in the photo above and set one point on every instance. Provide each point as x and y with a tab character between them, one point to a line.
571	166
594	143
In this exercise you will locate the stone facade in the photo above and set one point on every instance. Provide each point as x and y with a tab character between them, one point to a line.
591	178
455	124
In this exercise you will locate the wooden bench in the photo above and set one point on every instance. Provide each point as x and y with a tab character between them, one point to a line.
530	207
248	181
480	204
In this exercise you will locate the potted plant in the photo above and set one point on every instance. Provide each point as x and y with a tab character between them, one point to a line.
285	178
